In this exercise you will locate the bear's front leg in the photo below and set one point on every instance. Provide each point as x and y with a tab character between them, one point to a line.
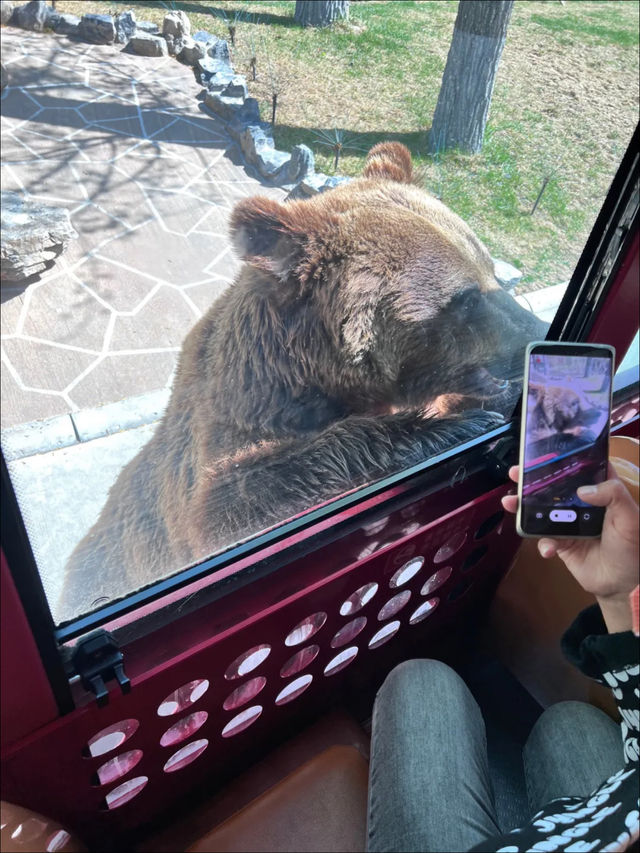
272	485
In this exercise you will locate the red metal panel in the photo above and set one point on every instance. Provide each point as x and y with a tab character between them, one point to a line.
48	772
27	702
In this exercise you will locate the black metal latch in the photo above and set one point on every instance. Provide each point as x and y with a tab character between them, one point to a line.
97	659
501	456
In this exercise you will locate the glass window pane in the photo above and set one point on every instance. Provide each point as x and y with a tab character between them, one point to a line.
199	345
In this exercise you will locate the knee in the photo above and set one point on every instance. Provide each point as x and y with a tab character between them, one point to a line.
426	681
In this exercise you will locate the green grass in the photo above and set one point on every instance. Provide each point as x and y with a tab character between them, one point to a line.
564	105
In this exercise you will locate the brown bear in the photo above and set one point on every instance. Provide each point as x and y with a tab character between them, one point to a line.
360	320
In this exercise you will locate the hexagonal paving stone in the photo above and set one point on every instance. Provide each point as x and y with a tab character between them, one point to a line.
163	321
63	311
22	407
121	288
119	376
43	366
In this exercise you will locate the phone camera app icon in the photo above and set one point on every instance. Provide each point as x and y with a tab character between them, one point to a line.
586	516
539	515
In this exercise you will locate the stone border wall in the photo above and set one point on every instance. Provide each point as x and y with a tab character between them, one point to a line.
225	93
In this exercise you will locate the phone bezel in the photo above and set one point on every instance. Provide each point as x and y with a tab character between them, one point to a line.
584	350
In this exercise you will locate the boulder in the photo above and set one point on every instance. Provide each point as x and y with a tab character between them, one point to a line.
147	45
208	68
64	24
6	11
222	105
506	274
97	29
301	165
32	16
33	235
191	51
148	27
125	26
176	24
204	37
315	183
249	113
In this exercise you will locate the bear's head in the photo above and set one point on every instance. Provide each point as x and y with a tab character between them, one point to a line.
389	297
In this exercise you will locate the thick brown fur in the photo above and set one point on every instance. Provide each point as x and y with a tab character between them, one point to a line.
360	318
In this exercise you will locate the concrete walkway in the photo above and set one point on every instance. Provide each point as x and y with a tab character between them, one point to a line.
150	179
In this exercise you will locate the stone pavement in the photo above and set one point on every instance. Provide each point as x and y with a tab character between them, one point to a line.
150	180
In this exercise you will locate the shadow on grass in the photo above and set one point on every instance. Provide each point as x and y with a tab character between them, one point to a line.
248	17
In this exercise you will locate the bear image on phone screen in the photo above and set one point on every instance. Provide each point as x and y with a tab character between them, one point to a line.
566	429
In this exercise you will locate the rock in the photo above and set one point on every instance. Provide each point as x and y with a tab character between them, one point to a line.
4	77
64	24
301	165
32	16
191	51
506	274
33	235
219	49
208	67
97	29
125	26
316	183
147	45
249	113
204	37
223	106
148	27
6	10
176	24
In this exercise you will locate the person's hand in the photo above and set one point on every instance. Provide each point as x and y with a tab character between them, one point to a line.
606	567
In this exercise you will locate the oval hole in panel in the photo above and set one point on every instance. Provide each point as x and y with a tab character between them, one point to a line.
394	605
305	629
385	633
341	660
473	558
406	572
358	599
184	728
183	697
425	609
348	632
294	689
125	792
450	547
185	755
299	661
245	693
117	766
489	524
242	721
248	661
110	738
436	580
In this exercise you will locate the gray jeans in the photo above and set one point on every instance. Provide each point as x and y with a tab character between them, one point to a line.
429	783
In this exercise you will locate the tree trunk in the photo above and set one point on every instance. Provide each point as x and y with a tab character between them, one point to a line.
463	104
320	13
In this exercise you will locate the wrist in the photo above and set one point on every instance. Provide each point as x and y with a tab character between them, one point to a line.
616	612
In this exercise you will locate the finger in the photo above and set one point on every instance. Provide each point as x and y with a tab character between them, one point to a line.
510	503
548	548
514	472
611	493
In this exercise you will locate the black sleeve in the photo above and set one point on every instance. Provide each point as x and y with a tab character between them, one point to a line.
589	647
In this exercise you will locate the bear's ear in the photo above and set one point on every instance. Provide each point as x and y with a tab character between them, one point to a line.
389	160
264	236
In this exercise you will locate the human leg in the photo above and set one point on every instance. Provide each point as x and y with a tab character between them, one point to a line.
429	787
572	748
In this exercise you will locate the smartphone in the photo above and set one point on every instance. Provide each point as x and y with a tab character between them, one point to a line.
564	439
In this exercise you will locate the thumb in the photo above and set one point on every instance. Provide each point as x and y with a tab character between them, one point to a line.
613	495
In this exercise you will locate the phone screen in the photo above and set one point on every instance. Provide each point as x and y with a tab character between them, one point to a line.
565	438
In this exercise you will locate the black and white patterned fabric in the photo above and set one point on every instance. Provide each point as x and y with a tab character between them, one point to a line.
608	819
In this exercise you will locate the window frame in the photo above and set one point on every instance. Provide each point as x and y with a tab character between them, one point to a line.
605	277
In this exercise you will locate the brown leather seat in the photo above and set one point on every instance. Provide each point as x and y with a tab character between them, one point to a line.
29	832
321	806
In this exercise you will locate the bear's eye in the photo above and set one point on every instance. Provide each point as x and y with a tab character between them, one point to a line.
468	300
